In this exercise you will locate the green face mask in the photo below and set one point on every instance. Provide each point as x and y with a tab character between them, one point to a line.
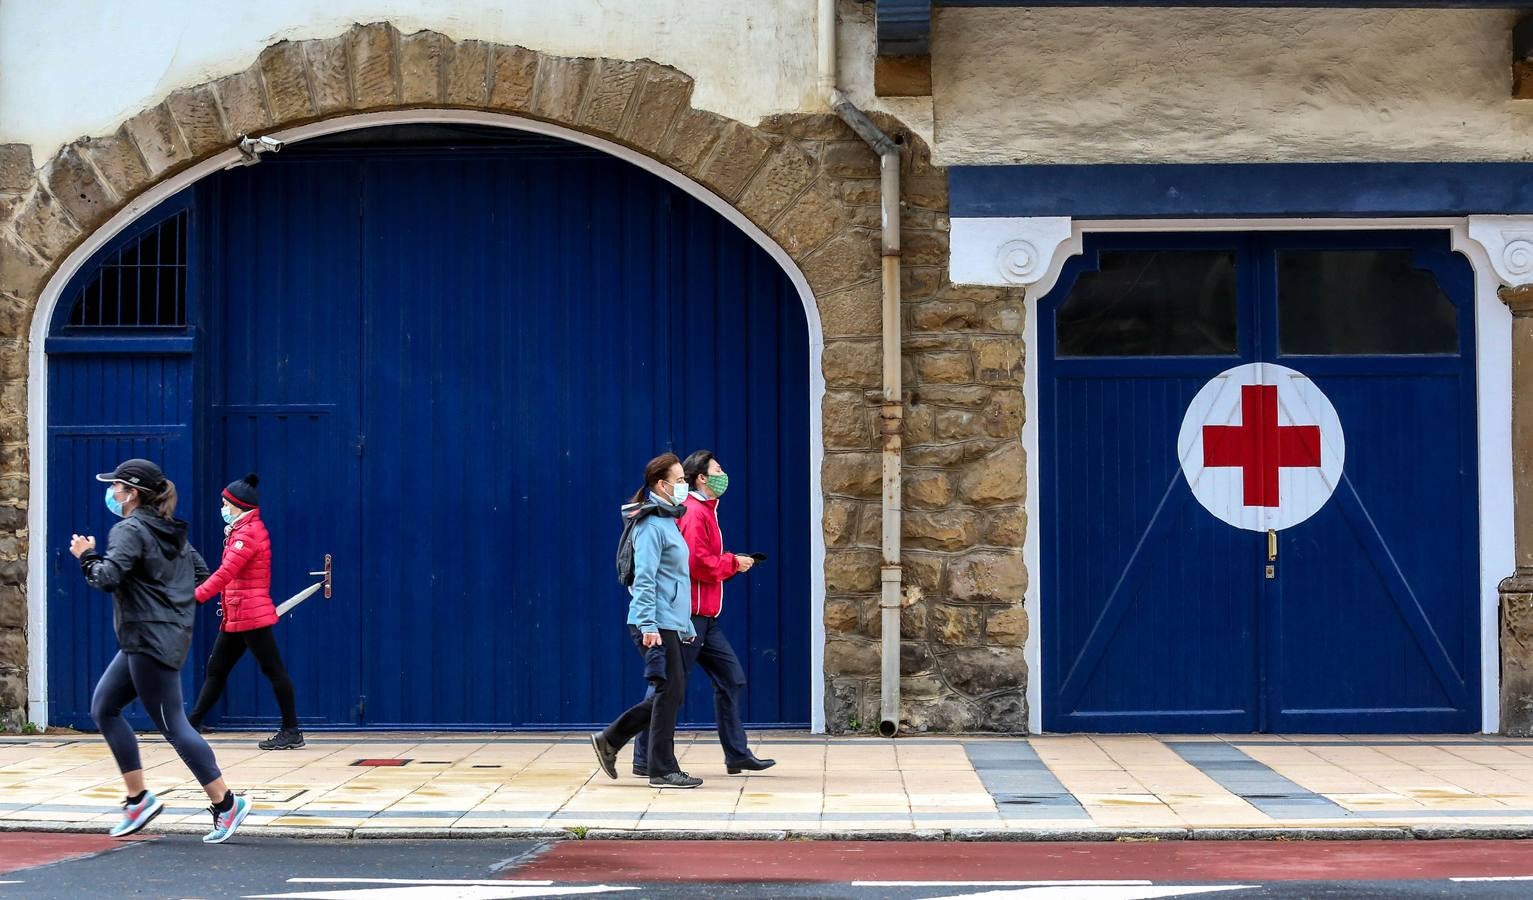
718	484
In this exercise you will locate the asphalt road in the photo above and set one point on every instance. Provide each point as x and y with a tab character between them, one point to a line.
72	867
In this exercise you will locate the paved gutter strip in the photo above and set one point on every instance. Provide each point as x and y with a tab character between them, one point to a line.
1257	784
1020	783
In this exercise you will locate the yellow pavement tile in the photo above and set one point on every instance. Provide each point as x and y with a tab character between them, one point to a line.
1126	781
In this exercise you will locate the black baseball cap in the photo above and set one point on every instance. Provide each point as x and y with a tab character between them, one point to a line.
139	473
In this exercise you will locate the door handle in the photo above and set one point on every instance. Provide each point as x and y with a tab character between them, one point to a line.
327	571
1271	545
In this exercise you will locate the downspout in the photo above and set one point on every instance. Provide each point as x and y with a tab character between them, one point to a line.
891	412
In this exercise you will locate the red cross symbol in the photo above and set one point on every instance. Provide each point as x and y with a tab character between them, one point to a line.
1259	446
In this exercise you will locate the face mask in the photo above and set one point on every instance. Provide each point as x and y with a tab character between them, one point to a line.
229	516
112	503
679	493
718	484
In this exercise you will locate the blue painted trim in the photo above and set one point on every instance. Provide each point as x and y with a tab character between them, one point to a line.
904	27
1242	190
175	344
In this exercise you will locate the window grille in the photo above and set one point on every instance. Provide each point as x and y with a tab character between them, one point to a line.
141	285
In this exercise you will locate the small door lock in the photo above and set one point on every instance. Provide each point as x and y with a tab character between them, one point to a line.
1271	571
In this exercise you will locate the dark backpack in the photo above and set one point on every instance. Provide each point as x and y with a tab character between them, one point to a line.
625	543
625	546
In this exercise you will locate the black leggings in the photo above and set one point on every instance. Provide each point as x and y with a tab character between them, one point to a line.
158	687
227	650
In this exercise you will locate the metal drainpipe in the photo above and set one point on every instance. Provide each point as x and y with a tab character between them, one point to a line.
891	413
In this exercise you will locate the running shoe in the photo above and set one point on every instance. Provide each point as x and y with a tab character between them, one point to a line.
136	815
286	739
226	823
606	757
674	780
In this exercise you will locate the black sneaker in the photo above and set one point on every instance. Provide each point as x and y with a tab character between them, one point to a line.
286	739
674	780
641	771
606	757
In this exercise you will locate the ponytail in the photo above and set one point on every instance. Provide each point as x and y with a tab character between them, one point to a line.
165	501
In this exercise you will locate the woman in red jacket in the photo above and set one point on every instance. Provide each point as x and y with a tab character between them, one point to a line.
244	579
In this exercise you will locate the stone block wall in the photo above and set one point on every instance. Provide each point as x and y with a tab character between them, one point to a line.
804	179
963	625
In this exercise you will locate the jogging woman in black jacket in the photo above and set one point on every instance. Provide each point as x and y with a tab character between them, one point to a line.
150	570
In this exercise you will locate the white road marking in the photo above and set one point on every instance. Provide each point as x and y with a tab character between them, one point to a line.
1078	891
1497	878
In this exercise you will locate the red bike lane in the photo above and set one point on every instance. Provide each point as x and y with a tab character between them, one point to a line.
619	861
26	850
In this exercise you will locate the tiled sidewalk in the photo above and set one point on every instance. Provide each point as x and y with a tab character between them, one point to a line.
932	786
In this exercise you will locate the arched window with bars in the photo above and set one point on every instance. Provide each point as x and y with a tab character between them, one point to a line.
140	284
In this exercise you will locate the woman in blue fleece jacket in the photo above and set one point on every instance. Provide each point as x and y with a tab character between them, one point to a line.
659	620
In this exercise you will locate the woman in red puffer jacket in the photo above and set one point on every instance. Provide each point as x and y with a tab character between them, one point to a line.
244	580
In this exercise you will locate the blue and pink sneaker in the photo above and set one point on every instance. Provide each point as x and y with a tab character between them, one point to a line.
136	815
225	824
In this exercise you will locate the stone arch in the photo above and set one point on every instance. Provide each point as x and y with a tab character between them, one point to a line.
805	180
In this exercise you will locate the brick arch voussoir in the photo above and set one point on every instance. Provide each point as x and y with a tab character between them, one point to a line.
771	173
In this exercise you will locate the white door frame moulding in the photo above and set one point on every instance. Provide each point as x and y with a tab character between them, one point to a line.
1031	252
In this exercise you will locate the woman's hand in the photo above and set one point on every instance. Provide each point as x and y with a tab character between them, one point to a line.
651	639
80	544
743	563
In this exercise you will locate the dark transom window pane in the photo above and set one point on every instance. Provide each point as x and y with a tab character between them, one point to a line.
1358	302
1152	303
142	285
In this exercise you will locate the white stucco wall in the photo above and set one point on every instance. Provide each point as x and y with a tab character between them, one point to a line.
70	68
1128	85
1010	85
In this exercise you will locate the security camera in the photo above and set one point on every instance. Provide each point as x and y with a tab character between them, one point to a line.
262	144
251	149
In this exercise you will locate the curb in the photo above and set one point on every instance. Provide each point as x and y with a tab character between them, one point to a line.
1041	835
1312	833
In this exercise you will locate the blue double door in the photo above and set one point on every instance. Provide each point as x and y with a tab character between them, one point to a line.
1158	615
449	367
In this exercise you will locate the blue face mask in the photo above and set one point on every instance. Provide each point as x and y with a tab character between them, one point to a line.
111	502
229	516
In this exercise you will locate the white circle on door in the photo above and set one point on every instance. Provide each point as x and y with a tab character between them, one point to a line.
1261	447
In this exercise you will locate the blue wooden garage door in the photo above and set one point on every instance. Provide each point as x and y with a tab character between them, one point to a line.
449	356
1258	486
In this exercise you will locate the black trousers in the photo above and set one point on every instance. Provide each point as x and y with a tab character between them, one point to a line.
716	655
227	650
657	712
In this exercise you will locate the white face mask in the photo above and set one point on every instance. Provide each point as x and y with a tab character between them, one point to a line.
679	493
